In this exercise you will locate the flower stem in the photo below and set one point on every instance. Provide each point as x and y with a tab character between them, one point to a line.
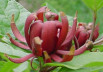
93	26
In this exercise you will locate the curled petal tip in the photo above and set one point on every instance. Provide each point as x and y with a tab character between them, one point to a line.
62	14
8	35
12	19
38	40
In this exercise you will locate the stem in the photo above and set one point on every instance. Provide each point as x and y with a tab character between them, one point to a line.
98	42
93	26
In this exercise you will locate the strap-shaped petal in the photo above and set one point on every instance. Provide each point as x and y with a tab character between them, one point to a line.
64	30
20	60
16	31
71	34
48	36
17	43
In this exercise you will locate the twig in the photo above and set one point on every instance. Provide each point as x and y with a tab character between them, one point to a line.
93	26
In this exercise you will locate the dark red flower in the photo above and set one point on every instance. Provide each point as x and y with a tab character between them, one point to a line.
83	33
49	39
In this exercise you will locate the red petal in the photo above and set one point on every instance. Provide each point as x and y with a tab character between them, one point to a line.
17	43
16	31
35	30
29	20
20	60
71	34
48	36
82	38
56	58
40	13
64	30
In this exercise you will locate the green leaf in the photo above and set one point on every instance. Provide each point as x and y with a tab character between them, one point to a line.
7	8
85	69
21	67
8	67
1	64
80	61
94	4
5	48
98	47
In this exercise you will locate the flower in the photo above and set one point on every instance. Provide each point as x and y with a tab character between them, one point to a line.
83	33
50	39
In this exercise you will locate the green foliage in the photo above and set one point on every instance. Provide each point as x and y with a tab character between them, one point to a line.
8	66
94	4
7	8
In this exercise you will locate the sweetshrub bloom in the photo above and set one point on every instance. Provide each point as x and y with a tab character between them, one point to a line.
49	39
83	33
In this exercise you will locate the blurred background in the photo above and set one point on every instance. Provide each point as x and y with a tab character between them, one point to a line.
67	6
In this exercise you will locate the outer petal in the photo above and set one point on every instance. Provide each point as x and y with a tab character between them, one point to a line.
78	51
20	60
17	43
64	30
29	20
48	36
16	31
